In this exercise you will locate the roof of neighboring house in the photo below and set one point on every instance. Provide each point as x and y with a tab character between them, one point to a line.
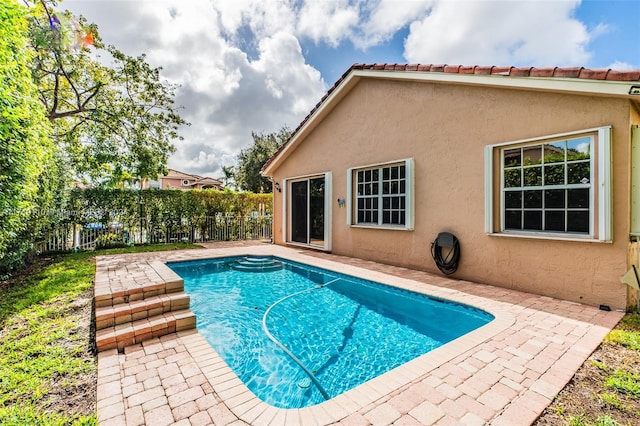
172	173
177	174
579	80
208	180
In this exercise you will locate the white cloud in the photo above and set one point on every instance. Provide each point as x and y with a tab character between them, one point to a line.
203	163
263	18
225	93
500	33
328	21
621	66
241	69
286	73
386	17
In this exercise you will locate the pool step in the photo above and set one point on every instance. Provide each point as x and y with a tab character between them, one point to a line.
256	264
130	333
129	310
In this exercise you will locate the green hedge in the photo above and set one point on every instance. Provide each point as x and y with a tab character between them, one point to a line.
30	171
156	206
163	211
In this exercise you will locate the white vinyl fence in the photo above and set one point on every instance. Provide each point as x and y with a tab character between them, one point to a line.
222	227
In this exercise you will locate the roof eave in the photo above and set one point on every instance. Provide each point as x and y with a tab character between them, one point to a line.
310	123
581	86
568	85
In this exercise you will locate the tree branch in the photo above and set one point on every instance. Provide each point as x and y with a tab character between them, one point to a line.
56	89
94	91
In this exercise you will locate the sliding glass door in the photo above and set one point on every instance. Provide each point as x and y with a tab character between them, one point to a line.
307	201
299	211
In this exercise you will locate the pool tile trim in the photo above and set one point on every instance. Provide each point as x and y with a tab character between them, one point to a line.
502	402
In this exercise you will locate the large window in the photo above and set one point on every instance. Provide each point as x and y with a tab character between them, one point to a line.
548	186
382	195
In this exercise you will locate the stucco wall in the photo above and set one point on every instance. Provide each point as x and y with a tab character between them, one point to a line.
445	129
170	183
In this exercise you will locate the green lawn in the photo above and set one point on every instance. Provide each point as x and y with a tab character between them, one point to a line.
47	358
48	363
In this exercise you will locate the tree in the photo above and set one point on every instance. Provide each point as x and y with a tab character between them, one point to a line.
228	175
115	123
29	169
250	160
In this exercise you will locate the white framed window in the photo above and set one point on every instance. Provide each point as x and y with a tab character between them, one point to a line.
185	182
556	186
381	195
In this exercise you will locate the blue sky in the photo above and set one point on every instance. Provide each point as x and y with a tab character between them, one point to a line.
259	65
621	40
616	44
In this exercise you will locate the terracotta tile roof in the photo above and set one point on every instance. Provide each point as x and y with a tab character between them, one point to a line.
573	72
173	173
505	71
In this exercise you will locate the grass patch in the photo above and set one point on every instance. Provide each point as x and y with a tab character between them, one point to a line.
612	400
67	277
630	322
21	416
630	339
47	360
600	421
599	365
625	382
560	410
627	333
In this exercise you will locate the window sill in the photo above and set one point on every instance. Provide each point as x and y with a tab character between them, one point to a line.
388	228
551	237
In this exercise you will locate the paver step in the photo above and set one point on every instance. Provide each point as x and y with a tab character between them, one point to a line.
130	333
110	296
108	316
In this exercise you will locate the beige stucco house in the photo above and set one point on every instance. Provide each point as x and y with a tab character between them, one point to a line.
176	179
534	170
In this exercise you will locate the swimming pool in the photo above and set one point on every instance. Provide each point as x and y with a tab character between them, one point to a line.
297	335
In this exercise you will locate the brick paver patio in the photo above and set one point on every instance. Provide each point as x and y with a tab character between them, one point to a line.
505	373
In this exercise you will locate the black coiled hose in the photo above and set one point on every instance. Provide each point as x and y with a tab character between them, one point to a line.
447	263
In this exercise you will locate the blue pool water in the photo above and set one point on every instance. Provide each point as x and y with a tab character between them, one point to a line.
343	330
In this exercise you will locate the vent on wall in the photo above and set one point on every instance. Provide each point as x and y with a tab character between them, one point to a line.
185	183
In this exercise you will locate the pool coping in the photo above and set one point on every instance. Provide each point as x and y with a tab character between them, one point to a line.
243	403
517	386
